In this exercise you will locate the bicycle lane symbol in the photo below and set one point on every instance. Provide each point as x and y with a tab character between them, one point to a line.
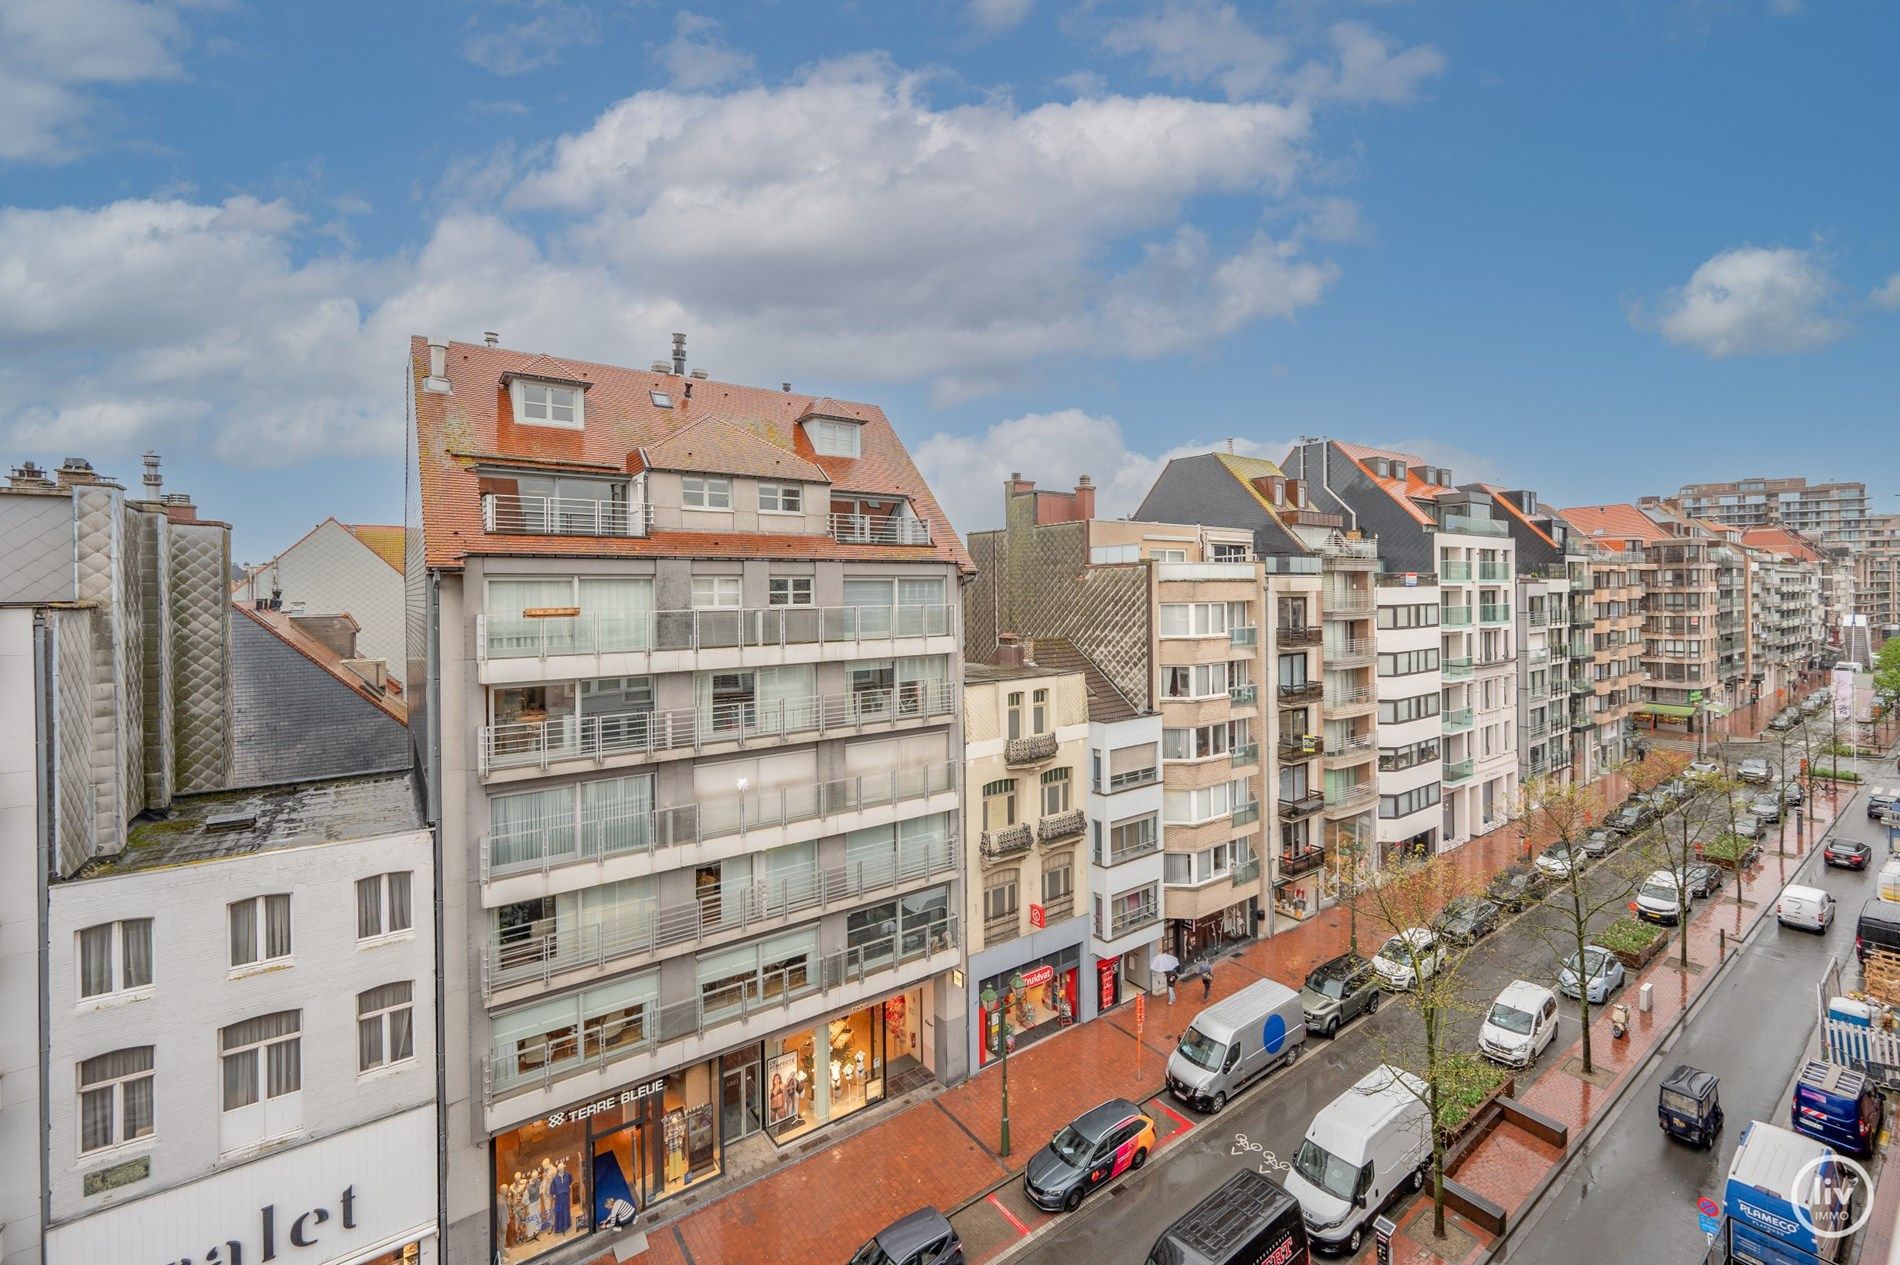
1269	1162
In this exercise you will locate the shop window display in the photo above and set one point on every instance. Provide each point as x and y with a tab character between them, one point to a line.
1033	1001
539	1197
825	1073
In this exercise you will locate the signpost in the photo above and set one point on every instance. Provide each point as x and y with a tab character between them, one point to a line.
1709	1214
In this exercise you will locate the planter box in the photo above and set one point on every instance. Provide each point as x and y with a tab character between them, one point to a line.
1643	957
1488	1114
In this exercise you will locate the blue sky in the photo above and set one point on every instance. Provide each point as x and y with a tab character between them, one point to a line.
1593	249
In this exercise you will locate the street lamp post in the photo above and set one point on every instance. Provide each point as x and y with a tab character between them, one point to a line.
999	1007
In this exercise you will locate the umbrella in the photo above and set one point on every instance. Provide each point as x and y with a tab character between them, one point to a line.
1162	963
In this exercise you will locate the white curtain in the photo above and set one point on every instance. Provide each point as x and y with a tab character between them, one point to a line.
620	608
243	932
874	598
509	631
95	960
530	827
137	936
397	917
618	813
369	907
277	926
793	689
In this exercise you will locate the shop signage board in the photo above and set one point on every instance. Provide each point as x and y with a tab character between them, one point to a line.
337	1199
1036	916
1037	976
608	1103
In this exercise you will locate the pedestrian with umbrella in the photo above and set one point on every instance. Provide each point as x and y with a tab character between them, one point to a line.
1166	964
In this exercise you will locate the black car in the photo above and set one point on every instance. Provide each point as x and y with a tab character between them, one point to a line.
1467	918
1598	842
1099	1146
1791	793
1627	820
922	1238
1702	877
1516	886
1847	854
1339	989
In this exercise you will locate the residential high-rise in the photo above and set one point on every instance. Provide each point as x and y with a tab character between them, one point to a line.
688	659
1833	513
1877	576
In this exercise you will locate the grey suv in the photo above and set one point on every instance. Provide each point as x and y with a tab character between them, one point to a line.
1338	990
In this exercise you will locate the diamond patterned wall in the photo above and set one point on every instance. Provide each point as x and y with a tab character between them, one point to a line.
36	539
72	752
201	655
151	546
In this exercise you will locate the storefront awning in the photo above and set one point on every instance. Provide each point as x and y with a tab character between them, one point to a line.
1678	710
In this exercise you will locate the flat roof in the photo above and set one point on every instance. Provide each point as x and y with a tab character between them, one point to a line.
222	824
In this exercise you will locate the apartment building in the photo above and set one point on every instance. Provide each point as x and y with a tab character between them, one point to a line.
224	1030
1428	526
687	664
1682	633
347	571
1877	576
1788	626
1176	615
1063	903
1331	737
1618	589
1832	513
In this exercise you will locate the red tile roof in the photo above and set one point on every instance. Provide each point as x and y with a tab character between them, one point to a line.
1400	490
714	445
285	629
385	541
476	418
1781	540
1604	523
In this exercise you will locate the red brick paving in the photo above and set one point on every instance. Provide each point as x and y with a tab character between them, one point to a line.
920	1156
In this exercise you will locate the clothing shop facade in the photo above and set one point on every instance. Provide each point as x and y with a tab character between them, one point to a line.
600	1164
1035	986
1192	938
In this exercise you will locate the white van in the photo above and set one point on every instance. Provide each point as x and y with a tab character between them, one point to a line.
1659	898
1235	1040
1361	1149
1520	1023
1809	908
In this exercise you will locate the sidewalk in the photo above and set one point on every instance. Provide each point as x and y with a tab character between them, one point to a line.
943	1151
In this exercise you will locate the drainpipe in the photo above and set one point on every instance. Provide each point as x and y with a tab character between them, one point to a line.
44	801
432	675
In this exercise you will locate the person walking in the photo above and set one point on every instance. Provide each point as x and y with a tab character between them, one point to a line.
1173	975
1207	979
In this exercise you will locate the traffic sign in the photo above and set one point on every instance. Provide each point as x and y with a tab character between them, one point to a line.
1709	1224
1707	1207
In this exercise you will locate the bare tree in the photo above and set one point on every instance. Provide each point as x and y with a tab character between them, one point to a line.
1407	900
1566	812
1674	840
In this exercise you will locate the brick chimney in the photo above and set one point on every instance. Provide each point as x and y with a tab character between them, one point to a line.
1085	498
1010	651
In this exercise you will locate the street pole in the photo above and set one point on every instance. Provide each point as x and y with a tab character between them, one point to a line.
1004	1150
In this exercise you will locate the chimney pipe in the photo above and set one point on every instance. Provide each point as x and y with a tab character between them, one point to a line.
1009	651
1085	498
679	354
152	480
785	387
491	338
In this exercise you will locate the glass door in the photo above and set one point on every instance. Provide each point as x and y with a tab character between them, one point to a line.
739	1103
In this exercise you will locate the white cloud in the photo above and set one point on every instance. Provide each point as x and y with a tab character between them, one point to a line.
1751	300
1052	449
1209	42
1887	295
696	57
536	34
996	16
54	53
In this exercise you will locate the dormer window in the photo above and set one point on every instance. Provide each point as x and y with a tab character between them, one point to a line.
546	404
831	438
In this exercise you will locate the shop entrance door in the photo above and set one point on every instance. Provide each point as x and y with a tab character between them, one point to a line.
739	1105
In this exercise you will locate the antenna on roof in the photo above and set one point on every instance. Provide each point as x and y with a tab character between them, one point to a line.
491	338
679	354
1230	447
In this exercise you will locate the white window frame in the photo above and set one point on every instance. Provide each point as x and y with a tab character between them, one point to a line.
520	391
781	498
701	492
268	1115
116	1087
381	1020
385	907
721	593
833	438
794	590
260	928
118	989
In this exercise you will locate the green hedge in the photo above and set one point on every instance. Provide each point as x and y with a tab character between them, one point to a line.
1628	935
1465	1080
1728	847
1833	774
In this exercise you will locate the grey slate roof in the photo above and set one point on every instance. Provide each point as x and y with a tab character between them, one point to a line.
241	823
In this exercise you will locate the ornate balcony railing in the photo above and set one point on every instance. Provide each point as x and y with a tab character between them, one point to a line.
1062	827
1036	748
1006	842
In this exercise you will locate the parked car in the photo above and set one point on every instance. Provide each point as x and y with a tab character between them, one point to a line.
1556	861
1846	854
1658	898
1881	801
1791	793
1877	928
1815	702
1409	958
1753	770
1627	820
1747	823
1516	886
1675	790
1098	1146
1785	719
1234	1042
1809	908
1599	975
922	1238
1838	1105
1702	769
1766	806
1467	918
1249	1218
1520	1023
1361	1149
1704	877
1598	842
1337	990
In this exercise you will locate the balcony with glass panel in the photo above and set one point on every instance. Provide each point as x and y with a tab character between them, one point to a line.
1454	572
1494	613
1457	771
1457	669
1459	721
1454	616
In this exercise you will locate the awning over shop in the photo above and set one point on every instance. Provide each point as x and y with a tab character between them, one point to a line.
1678	710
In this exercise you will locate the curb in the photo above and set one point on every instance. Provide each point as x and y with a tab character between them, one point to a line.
1641	1070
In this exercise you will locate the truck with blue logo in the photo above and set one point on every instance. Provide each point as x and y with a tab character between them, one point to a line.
1789	1200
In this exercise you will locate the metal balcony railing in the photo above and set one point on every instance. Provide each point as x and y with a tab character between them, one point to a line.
1300	635
520	744
1299	746
1058	908
1348	652
865	529
1062	827
1536	617
1243	696
1008	841
505	515
1354	796
1124	921
1338	700
1144	845
1301	806
599	632
1299	691
1341	751
1345	601
1036	748
560	841
593	1039
1304	861
1128	780
648	928
1002	927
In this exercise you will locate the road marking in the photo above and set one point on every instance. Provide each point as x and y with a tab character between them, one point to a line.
1021	1229
1178	1118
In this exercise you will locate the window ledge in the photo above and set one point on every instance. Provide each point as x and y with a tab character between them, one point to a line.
708	509
117	1153
111	1001
264	1146
387	1071
261	968
387	937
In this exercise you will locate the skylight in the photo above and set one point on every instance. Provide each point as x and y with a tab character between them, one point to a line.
660	399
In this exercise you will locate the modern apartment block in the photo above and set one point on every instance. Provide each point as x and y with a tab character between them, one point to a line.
1615	599
1062	841
1877	576
1787	628
685	675
1176	617
1832	513
1331	738
1427	526
222	996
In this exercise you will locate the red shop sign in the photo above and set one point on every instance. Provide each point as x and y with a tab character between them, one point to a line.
1037	976
1036	917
